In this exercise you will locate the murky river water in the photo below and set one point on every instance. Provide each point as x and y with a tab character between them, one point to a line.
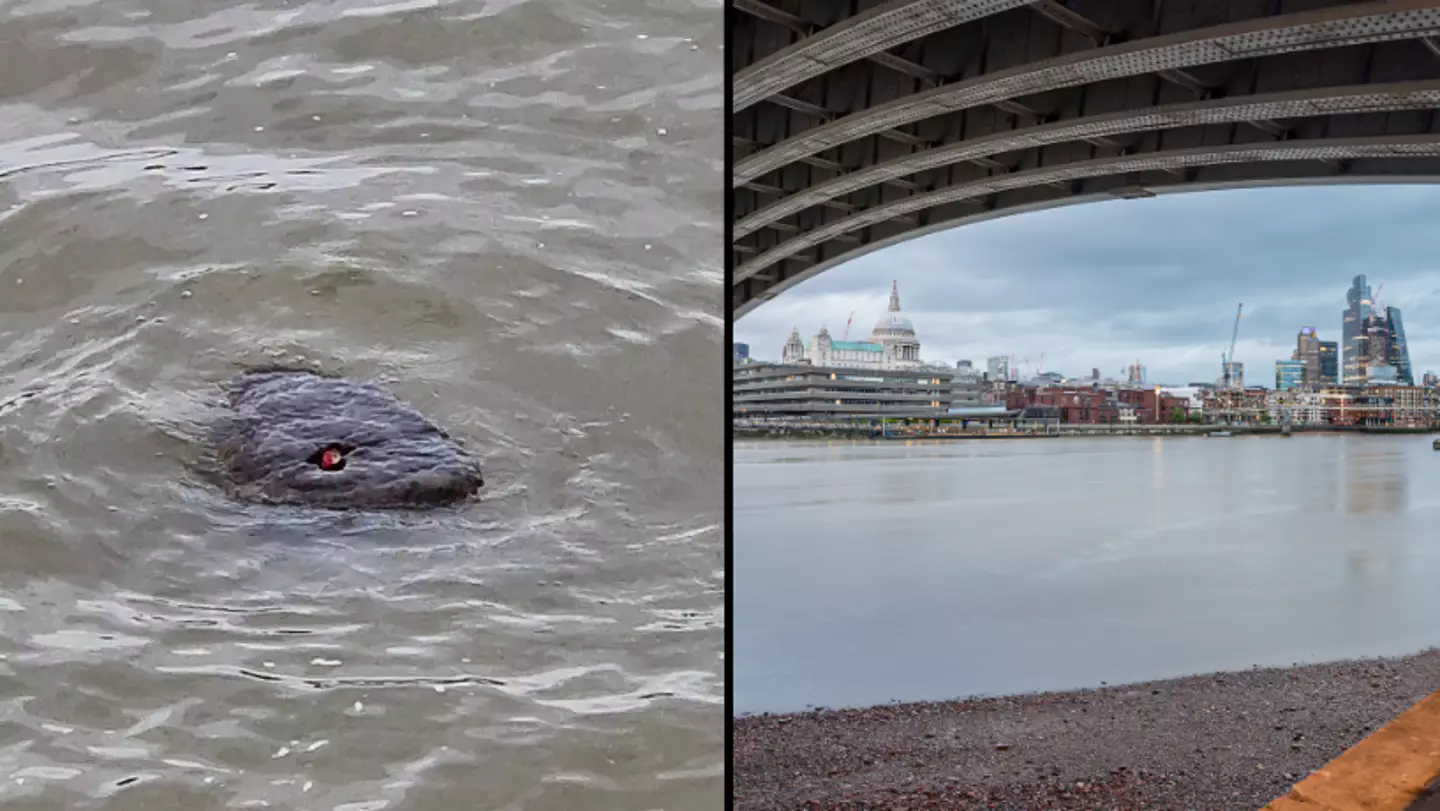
865	573
507	211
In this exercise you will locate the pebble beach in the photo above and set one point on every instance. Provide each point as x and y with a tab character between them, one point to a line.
1221	742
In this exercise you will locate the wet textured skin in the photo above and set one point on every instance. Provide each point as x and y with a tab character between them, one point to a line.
285	418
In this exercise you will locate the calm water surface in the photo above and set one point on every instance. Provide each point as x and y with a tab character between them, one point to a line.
866	573
509	212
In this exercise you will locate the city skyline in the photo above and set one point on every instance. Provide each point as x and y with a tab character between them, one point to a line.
1106	284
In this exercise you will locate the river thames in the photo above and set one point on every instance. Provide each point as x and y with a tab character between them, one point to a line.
509	215
872	572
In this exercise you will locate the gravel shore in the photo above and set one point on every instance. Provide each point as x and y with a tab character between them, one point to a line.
1225	741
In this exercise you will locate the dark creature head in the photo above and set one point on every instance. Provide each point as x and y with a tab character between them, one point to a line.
299	438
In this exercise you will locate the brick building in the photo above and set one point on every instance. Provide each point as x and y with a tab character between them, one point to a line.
1092	405
1153	406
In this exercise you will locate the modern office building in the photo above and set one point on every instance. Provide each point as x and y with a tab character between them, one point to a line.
1399	350
1329	363
739	352
1319	358
1289	374
1376	343
1384	345
997	368
1307	351
799	392
1359	307
967	391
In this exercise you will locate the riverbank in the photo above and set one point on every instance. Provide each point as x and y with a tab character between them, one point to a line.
867	433
1216	742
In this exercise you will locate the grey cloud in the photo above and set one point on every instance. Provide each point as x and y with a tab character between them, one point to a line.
1101	284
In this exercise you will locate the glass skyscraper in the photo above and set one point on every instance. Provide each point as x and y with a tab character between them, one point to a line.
1329	363
1385	349
1352	335
1370	338
1399	350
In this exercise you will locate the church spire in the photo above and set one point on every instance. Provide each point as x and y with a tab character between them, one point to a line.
894	297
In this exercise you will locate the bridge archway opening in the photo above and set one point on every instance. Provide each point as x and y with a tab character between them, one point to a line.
1122	281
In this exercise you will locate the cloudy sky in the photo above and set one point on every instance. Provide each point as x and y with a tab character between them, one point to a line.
1104	284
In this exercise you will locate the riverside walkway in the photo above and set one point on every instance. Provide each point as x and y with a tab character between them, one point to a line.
1395	768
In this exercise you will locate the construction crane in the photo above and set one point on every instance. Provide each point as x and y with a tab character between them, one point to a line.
1228	360
1376	308
847	326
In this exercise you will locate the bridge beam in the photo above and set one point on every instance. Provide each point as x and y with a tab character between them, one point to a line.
856	131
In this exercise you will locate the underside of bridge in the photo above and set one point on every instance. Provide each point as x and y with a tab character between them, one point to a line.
858	124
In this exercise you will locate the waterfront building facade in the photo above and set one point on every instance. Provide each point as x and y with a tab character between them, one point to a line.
1079	404
1298	407
1235	405
790	392
1394	406
968	386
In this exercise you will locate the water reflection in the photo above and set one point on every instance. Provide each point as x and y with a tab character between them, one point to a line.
941	570
1377	482
506	211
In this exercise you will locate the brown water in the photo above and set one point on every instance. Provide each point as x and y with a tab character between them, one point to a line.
509	212
866	572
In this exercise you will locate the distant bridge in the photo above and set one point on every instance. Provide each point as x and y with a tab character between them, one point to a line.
861	124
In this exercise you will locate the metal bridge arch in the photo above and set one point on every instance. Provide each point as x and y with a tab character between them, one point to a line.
859	125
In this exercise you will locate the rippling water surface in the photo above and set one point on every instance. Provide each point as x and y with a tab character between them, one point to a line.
509	213
867	572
